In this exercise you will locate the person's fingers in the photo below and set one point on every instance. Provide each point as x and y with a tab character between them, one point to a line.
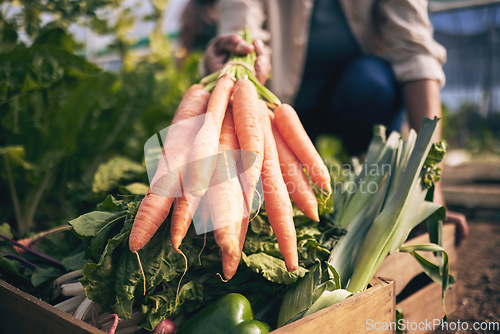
260	49
263	62
233	43
214	60
218	50
462	227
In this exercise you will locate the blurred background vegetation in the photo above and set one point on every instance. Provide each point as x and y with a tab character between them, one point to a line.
72	127
61	116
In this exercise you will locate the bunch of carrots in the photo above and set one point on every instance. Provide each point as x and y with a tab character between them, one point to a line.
215	174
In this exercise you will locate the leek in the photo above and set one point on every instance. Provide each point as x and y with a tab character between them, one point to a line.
404	209
378	222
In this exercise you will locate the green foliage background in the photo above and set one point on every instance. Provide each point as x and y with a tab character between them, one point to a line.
61	116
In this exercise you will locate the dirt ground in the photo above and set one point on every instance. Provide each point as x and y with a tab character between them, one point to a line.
478	278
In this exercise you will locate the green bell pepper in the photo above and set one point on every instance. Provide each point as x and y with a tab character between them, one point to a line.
230	314
249	327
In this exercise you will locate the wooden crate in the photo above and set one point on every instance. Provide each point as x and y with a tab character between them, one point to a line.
23	313
372	310
420	304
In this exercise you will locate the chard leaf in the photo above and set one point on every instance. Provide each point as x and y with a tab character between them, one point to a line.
164	304
273	269
99	278
94	229
10	270
112	204
310	252
116	282
93	223
74	262
43	275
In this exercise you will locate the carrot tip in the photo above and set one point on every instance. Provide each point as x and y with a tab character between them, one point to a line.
132	245
292	268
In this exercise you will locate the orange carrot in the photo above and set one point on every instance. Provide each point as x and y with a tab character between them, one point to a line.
225	194
292	131
206	144
278	206
226	203
184	210
230	264
296	181
247	122
165	185
203	216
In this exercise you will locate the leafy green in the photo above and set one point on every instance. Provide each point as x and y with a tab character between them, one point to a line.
53	254
5	230
115	171
115	281
44	275
164	304
272	268
432	170
62	116
74	262
94	228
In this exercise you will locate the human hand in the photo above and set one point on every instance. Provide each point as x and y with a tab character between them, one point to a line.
219	49
452	217
461	225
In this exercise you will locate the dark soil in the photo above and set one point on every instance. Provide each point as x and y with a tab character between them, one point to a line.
478	278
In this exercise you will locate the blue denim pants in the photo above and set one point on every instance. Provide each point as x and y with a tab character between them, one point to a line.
358	96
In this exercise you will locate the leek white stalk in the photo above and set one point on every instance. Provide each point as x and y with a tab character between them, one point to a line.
71	304
72	289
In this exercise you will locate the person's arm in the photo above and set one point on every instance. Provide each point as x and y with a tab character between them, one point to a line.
423	99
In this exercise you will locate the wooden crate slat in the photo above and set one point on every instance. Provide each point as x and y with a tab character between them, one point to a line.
351	315
22	313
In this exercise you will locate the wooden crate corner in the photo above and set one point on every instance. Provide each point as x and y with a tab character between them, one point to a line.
21	312
372	310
